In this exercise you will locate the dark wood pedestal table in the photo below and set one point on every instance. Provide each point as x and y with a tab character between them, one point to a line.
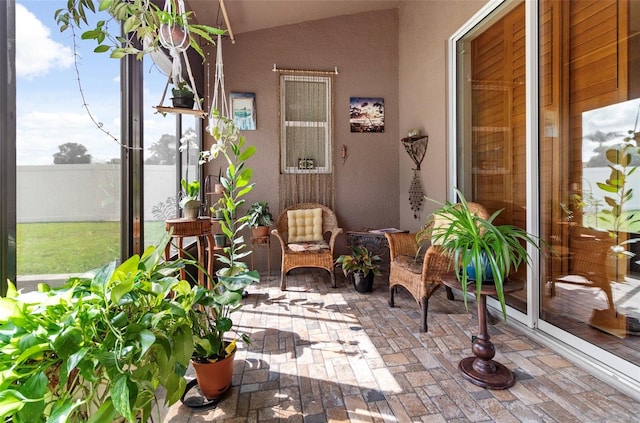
481	369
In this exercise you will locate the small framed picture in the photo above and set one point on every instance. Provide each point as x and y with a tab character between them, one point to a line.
243	110
366	114
306	164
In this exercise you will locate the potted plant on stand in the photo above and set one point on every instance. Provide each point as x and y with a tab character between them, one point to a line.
485	255
260	219
361	267
183	96
212	347
472	240
189	203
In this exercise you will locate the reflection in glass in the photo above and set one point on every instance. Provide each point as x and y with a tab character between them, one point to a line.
590	191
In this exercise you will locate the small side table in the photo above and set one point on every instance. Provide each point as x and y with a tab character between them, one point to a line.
481	369
262	241
199	228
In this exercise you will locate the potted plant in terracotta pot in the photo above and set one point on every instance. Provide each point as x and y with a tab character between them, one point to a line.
213	325
360	266
260	219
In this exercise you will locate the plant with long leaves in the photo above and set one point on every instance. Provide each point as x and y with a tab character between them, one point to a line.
471	239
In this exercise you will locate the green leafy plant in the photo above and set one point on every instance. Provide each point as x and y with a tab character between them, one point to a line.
260	215
361	260
141	21
470	239
212	327
97	348
190	191
182	90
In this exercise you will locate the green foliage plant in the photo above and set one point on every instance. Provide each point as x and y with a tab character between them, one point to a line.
141	21
361	260
98	348
190	191
260	215
182	90
468	237
211	328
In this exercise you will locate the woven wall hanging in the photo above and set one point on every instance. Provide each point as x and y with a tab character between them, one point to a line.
416	147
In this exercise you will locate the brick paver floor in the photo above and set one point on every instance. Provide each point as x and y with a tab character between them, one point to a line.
321	354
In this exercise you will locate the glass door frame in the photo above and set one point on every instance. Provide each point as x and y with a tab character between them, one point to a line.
611	368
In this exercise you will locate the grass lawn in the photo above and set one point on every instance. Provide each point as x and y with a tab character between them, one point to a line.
72	247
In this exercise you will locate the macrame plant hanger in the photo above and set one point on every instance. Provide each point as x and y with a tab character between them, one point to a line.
176	39
416	147
219	101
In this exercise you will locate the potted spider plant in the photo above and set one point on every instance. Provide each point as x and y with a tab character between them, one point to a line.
361	266
481	251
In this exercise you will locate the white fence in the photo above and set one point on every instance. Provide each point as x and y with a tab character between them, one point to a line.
84	192
91	192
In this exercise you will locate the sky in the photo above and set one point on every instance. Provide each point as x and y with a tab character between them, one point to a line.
49	102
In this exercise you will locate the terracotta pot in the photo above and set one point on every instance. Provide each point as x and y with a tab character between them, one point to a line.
175	35
260	231
214	379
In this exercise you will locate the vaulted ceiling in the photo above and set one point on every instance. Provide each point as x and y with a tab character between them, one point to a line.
252	15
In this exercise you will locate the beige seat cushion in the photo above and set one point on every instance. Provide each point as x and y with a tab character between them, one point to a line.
304	225
312	246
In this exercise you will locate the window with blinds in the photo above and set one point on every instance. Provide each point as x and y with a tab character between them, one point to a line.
305	113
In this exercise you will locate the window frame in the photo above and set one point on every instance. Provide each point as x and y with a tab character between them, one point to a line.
326	125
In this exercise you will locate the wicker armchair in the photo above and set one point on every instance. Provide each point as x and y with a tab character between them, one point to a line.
420	276
320	256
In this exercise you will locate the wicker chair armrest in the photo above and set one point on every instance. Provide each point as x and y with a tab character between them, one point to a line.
436	263
280	237
401	244
334	234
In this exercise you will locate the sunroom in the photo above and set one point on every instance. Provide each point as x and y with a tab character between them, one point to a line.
526	107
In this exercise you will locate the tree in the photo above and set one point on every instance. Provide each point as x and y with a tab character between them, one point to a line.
163	151
72	153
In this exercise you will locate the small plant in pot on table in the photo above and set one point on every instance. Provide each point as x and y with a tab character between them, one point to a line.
189	203
260	219
360	266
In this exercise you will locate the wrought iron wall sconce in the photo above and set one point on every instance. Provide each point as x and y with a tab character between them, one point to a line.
416	146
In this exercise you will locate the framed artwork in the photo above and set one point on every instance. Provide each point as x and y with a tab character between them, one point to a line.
366	114
243	110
